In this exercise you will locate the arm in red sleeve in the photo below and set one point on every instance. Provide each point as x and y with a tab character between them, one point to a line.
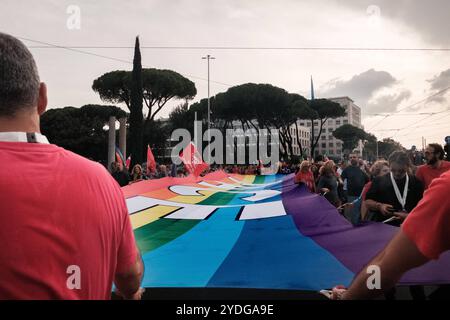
428	225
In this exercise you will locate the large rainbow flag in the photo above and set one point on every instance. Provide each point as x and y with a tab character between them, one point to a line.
233	231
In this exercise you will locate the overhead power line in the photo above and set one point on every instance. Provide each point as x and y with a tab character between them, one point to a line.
265	48
50	45
419	126
410	106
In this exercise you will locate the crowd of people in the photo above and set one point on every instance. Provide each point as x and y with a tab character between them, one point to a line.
383	191
361	190
67	234
124	176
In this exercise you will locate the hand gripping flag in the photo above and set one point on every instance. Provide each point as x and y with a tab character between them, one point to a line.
193	160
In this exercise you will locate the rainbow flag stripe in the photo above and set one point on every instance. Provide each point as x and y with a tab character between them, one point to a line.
234	231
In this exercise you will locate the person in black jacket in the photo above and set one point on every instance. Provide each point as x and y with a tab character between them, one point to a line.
119	174
388	197
393	196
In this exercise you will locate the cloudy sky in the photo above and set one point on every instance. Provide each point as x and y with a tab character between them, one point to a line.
399	91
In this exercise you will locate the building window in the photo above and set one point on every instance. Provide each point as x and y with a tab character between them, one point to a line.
324	145
331	144
338	122
345	121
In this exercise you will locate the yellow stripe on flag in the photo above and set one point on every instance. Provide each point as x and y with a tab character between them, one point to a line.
194	199
149	215
248	179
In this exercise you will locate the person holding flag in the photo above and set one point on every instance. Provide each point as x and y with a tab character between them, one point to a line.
192	160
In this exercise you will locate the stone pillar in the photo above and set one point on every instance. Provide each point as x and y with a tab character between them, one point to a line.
111	141
123	136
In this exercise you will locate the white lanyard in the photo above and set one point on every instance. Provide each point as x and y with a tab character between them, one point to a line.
400	199
31	137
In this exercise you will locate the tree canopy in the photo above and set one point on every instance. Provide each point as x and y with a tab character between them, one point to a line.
114	87
385	148
253	106
350	136
158	87
81	130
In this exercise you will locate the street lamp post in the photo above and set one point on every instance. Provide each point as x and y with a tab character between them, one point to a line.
208	58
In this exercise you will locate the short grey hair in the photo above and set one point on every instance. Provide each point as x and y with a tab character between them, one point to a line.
19	78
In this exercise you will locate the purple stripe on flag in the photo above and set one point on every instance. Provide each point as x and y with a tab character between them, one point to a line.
352	246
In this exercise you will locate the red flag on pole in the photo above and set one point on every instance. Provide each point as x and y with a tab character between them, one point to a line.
151	163
128	162
193	160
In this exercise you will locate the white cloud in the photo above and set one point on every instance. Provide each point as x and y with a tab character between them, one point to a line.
438	83
361	87
387	102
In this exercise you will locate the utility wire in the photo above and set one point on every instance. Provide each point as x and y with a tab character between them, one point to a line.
410	106
248	48
420	126
50	45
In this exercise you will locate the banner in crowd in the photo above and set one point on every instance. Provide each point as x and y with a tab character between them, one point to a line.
151	163
119	157
233	231
192	160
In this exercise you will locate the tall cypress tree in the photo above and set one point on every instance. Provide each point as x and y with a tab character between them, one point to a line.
136	116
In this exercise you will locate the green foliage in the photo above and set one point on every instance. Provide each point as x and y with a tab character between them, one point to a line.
114	87
136	116
158	87
322	110
162	85
81	130
327	109
182	117
385	148
153	86
350	136
156	134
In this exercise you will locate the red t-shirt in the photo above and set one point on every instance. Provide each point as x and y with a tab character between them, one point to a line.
428	225
307	178
427	173
59	210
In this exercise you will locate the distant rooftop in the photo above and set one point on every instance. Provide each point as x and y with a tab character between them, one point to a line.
344	97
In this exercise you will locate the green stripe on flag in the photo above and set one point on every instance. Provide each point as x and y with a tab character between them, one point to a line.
160	232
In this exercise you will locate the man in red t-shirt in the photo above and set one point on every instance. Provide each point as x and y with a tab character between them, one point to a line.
424	236
434	153
65	232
